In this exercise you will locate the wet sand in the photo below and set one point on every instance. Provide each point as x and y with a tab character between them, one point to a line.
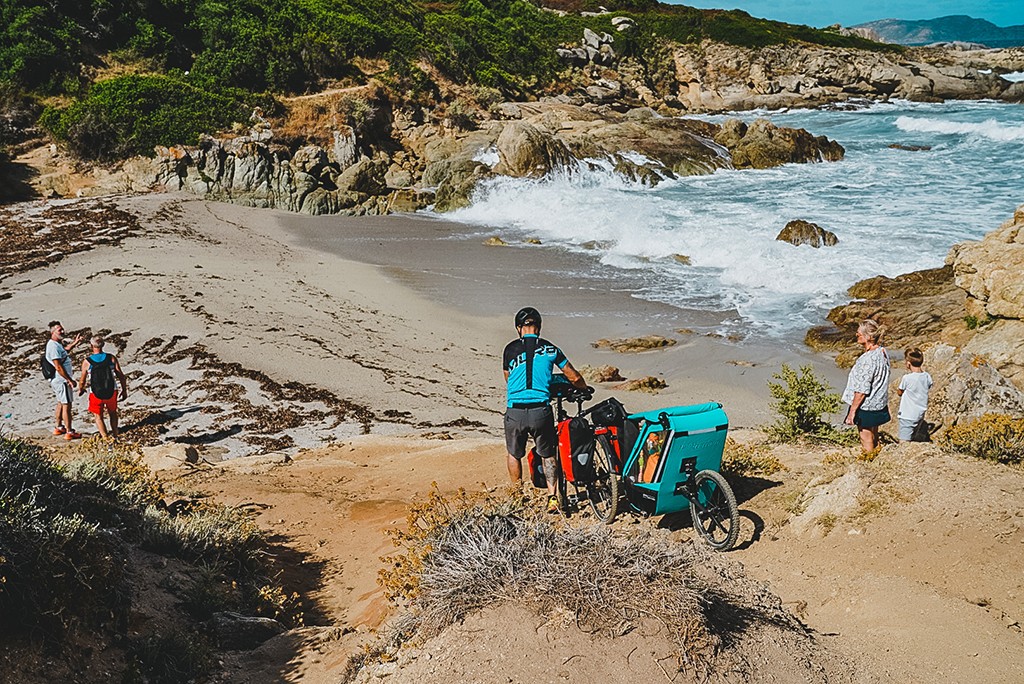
450	264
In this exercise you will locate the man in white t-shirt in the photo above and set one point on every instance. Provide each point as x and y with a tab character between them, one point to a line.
913	391
62	384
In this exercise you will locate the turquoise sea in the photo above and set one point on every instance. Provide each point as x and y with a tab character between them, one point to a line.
894	211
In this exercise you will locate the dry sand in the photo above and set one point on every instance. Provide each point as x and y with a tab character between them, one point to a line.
354	361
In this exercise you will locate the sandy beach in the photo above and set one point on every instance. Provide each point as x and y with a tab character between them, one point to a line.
245	331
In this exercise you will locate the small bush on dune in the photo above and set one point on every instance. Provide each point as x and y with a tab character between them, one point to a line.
465	553
65	533
800	400
994	436
57	567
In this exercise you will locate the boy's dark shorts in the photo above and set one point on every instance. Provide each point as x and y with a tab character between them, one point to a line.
539	423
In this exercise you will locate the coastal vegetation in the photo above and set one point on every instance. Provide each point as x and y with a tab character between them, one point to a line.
800	398
198	66
463	553
71	536
993	436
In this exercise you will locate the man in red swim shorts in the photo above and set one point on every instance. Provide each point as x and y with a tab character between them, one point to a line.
101	369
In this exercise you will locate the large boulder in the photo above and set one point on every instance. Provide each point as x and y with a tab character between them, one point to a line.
967	386
456	186
237	632
800	232
764	145
991	270
527	151
366	176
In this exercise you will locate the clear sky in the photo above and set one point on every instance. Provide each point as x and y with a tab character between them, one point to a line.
850	12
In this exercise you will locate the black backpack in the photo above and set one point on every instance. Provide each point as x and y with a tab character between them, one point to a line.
49	372
101	377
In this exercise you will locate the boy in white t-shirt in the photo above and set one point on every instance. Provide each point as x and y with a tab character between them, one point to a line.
913	391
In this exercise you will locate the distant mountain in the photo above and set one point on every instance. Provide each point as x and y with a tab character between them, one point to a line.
946	29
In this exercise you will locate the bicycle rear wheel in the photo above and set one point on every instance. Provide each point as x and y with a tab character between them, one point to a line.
713	509
603	492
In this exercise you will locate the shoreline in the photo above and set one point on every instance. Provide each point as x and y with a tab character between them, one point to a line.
700	367
242	337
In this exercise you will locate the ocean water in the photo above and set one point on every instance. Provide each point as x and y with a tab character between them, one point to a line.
893	210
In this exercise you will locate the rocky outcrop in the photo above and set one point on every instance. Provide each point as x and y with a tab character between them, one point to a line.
717	77
967	386
763	145
916	309
444	168
596	48
991	270
968	316
800	232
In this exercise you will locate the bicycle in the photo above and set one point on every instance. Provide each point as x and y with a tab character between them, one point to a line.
653	462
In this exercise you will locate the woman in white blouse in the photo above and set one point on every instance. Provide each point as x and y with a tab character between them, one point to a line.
867	389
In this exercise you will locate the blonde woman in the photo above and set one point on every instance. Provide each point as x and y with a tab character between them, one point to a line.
867	389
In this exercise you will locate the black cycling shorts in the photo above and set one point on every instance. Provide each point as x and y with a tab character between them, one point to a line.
522	423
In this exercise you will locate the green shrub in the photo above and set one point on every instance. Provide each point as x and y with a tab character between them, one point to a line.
994	436
973	322
129	115
800	400
735	27
57	568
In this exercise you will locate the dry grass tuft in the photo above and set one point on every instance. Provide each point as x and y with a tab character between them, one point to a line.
748	460
464	553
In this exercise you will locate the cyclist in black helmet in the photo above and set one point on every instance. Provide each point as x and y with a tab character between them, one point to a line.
529	363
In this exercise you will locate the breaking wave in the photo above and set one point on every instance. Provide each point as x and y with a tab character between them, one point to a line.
708	243
990	128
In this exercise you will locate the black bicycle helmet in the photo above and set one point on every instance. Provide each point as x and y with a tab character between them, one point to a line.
527	316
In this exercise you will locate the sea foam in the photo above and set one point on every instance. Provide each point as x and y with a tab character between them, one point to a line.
894	211
990	128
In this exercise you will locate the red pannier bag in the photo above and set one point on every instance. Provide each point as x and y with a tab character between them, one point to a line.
576	450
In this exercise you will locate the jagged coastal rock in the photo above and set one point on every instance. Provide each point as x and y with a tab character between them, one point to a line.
968	316
716	77
444	167
800	232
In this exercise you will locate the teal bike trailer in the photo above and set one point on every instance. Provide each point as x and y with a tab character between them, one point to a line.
672	446
666	461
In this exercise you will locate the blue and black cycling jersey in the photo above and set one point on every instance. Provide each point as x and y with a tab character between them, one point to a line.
530	362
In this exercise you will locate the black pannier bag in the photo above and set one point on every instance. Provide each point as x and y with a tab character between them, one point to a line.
49	372
608	413
535	464
581	444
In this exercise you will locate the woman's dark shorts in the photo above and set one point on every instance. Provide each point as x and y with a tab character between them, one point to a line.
539	423
870	419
